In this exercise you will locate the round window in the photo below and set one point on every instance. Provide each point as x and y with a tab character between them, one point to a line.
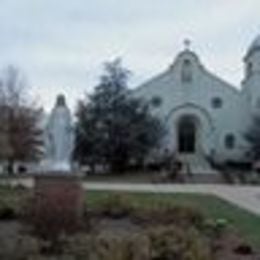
156	101
216	102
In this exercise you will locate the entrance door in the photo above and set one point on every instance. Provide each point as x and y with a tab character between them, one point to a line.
187	135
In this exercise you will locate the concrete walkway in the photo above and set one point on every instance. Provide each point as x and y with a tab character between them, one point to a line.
246	197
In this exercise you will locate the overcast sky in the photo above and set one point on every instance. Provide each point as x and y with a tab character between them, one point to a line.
60	45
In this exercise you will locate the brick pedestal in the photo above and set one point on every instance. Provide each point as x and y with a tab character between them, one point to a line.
59	200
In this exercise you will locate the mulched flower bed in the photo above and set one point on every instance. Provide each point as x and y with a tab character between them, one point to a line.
117	230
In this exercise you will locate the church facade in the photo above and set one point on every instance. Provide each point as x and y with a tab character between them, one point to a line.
204	115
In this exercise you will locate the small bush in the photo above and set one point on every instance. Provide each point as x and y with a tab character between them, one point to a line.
78	246
244	249
20	187
171	242
254	179
20	247
7	213
227	176
110	246
115	206
164	242
167	215
215	230
27	246
242	176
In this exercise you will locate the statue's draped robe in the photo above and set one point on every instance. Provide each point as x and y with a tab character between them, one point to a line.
59	138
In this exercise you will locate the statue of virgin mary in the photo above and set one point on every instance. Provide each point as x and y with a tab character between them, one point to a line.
59	138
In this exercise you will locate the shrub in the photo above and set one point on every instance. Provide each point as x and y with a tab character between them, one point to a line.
115	206
20	187
244	249
242	176
7	213
110	246
27	246
172	242
19	247
164	242
227	176
78	246
167	214
254	179
215	230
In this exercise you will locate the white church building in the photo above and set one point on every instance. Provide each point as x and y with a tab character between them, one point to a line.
204	115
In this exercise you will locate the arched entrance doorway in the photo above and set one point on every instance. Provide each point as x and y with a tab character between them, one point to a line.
187	133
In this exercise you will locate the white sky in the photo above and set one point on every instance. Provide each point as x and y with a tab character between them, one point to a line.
60	45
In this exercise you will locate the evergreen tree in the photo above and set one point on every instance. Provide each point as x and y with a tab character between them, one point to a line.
113	127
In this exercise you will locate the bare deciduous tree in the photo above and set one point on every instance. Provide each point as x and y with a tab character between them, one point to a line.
20	133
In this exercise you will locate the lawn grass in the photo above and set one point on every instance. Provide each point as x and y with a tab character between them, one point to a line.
247	224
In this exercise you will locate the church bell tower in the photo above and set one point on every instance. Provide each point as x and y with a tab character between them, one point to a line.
251	83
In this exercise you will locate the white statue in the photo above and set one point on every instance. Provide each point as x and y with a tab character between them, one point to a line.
59	138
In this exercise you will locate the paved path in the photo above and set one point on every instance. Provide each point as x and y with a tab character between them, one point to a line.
247	197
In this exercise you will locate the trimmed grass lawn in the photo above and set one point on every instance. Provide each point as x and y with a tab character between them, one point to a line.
247	224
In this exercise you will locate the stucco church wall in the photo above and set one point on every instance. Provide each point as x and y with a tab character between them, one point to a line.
195	98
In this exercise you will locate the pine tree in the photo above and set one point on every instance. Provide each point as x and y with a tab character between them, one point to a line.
113	127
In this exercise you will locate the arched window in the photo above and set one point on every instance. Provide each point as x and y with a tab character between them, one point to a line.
230	141
186	74
216	102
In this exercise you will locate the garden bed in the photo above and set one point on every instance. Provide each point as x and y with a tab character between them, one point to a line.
123	227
